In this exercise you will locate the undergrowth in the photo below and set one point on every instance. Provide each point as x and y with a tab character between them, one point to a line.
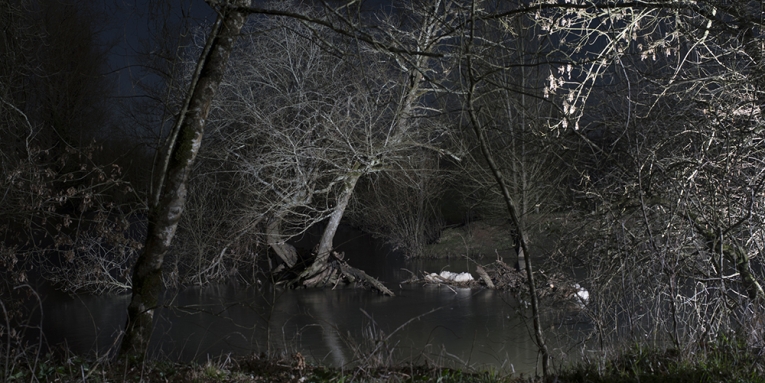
727	360
253	368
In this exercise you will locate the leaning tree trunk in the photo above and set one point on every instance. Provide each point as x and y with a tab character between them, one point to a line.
523	237
512	209
328	268
312	276
319	272
164	217
324	251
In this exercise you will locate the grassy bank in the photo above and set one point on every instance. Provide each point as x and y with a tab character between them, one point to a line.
234	370
727	362
494	237
724	361
476	239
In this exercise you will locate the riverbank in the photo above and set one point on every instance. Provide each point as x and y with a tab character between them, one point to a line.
725	361
286	369
475	239
493	238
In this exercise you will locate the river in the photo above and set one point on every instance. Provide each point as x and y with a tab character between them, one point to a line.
458	327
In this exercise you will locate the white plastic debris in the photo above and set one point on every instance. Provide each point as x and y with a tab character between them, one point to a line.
448	276
432	277
582	294
463	277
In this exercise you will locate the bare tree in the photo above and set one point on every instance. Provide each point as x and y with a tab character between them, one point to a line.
334	113
430	25
163	219
670	114
400	206
473	80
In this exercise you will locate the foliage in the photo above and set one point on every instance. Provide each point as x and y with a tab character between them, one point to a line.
399	208
668	203
642	122
478	239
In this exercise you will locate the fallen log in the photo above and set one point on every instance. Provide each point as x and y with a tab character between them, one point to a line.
500	276
336	271
484	277
353	274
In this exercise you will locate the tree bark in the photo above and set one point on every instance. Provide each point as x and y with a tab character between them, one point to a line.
326	243
163	218
485	277
734	253
283	250
323	272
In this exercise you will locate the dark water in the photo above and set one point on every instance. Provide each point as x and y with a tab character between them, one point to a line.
476	327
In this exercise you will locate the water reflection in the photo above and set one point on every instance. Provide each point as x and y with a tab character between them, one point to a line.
423	323
461	326
84	323
476	327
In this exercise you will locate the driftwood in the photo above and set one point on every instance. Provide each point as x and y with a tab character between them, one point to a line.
354	274
506	277
484	277
499	275
338	271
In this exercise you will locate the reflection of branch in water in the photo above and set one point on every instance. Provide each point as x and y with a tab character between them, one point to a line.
328	332
381	344
333	342
403	325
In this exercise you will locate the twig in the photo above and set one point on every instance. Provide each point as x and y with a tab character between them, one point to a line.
39	345
8	345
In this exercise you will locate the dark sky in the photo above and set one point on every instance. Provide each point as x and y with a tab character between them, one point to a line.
129	26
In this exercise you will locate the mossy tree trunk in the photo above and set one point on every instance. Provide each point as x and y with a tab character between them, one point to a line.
164	217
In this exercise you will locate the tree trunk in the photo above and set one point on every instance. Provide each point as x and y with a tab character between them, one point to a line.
510	203
738	255
734	253
329	267
311	277
163	218
308	277
523	238
325	245
283	250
